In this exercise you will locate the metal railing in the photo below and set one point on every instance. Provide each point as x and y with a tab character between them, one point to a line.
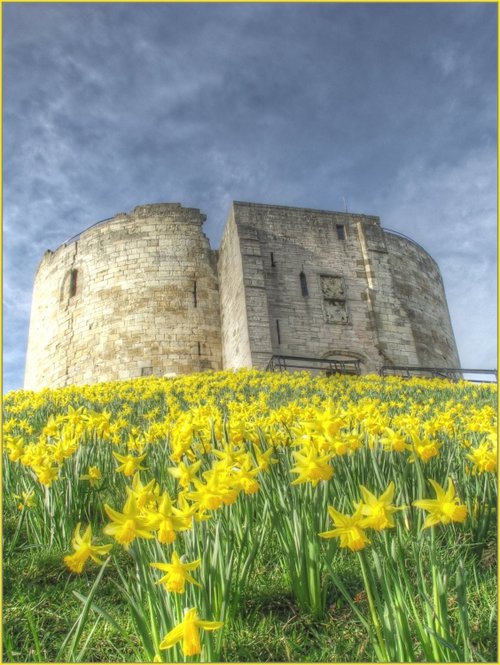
77	235
279	363
327	365
452	373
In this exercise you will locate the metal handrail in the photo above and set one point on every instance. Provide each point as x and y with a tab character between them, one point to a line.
353	366
454	373
77	235
330	365
402	235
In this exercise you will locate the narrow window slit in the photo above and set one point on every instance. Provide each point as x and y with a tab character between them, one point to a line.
303	284
272	259
195	299
278	331
199	349
72	283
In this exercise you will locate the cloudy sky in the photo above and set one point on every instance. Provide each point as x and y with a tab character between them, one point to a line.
388	108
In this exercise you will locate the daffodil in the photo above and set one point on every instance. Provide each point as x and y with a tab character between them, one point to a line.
311	467
378	512
129	524
15	446
46	473
178	573
214	492
100	423
64	447
245	477
185	473
425	449
76	416
445	508
483	457
393	440
189	632
168	519
349	528
84	550
146	495
28	500
93	475
129	463
264	459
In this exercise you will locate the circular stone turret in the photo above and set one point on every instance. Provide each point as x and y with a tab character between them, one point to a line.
419	286
131	296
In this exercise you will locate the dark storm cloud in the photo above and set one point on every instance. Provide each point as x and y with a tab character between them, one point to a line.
392	107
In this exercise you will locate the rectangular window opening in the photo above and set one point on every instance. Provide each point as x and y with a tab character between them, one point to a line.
340	232
303	284
72	283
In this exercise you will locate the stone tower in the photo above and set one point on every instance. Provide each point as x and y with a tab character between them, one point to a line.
131	296
143	293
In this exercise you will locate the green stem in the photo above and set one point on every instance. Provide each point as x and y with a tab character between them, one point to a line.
373	610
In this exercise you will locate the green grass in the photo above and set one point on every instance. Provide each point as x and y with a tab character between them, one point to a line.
40	608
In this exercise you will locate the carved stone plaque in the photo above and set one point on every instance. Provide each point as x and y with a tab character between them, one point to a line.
334	299
335	311
332	287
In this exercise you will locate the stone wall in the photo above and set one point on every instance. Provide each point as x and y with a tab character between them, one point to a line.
338	285
145	301
420	289
297	256
233	307
393	334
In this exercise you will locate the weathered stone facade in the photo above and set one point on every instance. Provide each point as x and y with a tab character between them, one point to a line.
144	293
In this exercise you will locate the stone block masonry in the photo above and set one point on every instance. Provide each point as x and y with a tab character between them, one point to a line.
146	301
143	293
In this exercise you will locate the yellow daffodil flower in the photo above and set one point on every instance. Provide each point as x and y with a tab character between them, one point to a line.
129	464
46	473
311	467
15	446
168	519
185	473
245	477
177	573
189	632
445	508
264	459
146	495
93	475
483	457
100	423
76	416
393	440
128	525
64	447
84	550
28	500
425	449
378	512
214	492
349	528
